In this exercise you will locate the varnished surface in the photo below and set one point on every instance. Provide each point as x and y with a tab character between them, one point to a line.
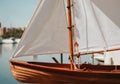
49	73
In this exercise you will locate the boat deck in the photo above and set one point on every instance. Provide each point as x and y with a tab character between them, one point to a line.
83	67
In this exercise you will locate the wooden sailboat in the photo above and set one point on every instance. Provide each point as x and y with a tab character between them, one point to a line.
47	34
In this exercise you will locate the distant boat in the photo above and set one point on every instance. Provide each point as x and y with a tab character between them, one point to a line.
93	27
17	40
8	41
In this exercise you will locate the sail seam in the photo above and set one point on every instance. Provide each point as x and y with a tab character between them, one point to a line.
100	29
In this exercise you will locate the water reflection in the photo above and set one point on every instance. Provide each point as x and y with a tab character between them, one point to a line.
0	50
5	74
5	48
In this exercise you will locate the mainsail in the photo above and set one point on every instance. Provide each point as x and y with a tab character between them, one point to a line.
97	24
96	27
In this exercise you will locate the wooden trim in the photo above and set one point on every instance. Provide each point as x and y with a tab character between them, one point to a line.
100	51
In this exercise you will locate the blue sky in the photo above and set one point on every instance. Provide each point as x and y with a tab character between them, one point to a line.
16	13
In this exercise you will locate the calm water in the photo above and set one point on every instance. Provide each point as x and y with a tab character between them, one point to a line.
5	74
5	53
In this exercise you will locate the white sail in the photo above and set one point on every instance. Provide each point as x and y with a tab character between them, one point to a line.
97	24
47	31
97	27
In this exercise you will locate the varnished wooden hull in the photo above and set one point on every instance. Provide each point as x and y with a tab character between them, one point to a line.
50	73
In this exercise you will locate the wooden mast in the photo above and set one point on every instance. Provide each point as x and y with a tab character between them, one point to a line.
70	34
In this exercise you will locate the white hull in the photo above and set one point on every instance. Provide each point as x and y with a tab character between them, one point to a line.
7	41
17	40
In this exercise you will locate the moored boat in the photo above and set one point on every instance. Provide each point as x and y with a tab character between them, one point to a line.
8	41
17	40
92	29
51	73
